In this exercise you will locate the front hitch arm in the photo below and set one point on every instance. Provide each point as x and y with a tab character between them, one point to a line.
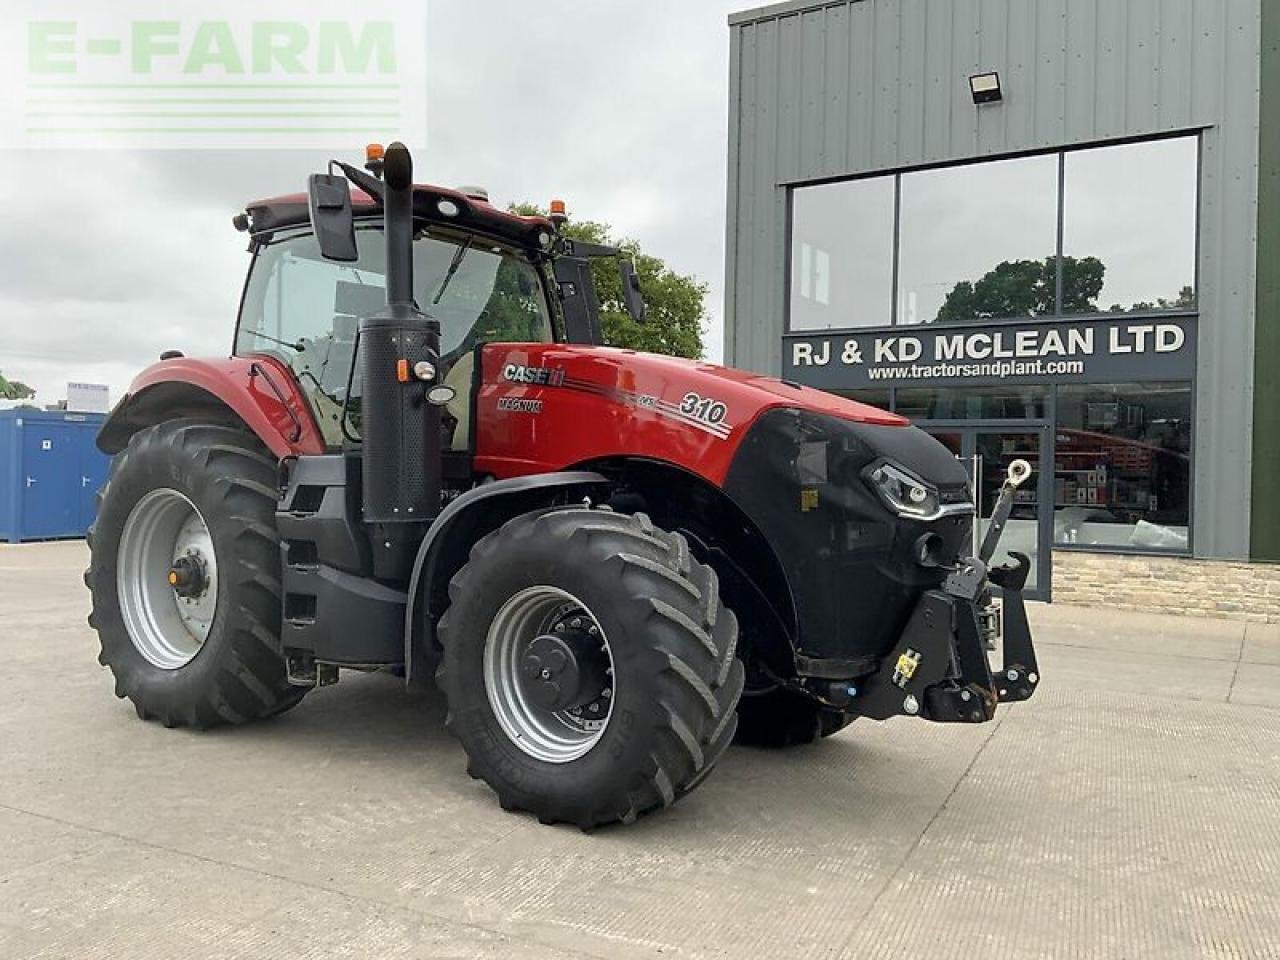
1020	673
938	669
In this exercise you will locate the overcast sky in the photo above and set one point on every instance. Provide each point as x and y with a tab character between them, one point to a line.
109	257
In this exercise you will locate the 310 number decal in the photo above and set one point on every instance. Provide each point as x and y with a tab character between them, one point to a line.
703	408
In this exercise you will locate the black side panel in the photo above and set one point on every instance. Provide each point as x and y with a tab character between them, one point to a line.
318	518
333	611
850	561
340	618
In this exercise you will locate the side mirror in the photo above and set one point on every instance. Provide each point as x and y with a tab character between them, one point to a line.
329	202
631	295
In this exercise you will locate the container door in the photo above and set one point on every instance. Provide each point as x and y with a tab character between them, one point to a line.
48	480
94	465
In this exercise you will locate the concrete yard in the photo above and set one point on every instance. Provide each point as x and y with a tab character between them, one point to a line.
1131	810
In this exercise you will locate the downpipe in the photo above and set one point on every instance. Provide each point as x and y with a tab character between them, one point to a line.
939	670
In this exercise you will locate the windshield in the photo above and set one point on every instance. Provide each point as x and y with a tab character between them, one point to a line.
304	309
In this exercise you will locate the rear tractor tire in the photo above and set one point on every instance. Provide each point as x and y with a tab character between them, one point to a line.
780	718
589	666
185	577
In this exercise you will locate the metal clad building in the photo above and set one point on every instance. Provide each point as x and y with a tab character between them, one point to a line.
872	100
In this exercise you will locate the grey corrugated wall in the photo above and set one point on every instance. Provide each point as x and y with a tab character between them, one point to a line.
834	89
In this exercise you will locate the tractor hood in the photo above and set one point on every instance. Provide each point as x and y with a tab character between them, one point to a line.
768	391
568	405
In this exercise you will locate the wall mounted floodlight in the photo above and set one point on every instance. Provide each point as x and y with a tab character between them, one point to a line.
985	88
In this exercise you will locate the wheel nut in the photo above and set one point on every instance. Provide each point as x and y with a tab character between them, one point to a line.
606	693
1012	675
966	696
559	628
545	674
594	708
594	631
911	705
576	622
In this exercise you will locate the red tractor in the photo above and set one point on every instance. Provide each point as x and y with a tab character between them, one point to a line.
420	458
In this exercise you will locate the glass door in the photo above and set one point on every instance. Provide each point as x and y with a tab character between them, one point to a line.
986	452
1030	526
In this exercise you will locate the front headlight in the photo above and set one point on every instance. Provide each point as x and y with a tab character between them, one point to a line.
903	493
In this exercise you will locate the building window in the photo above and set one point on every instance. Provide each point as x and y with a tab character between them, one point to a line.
972	403
979	241
1102	230
1129	227
1122	471
842	255
871	396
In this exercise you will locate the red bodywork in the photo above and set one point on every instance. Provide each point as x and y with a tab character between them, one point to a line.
260	390
602	402
594	403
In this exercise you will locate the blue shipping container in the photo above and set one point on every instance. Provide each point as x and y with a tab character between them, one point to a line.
50	472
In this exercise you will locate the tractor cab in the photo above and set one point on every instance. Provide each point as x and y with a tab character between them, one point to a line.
483	274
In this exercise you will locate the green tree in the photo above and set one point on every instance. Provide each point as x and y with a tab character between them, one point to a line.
1185	300
1026	288
676	303
14	390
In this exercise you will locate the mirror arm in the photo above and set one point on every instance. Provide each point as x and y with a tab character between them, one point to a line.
365	181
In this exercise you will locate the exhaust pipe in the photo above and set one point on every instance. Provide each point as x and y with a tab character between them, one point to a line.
399	364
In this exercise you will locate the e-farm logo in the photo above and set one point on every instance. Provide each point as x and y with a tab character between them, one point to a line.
239	74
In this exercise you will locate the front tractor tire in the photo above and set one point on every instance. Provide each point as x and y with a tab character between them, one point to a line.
589	666
185	577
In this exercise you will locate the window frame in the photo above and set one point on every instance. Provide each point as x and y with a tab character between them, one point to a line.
1056	316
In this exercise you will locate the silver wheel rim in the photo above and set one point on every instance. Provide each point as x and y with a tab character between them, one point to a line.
554	736
167	628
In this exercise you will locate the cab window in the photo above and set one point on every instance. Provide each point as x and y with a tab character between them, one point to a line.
304	310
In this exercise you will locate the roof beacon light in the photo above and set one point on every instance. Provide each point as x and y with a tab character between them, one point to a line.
558	215
373	154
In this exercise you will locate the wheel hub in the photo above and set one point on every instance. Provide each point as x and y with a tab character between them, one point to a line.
548	674
188	576
561	671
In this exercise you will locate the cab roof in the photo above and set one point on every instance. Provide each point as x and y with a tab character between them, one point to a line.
429	203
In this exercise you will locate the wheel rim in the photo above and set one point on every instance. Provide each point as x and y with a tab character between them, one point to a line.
533	632
167	579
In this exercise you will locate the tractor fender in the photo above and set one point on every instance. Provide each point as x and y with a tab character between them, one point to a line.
465	520
260	392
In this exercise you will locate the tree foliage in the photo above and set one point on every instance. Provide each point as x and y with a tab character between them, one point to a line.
14	390
676	303
1026	288
1185	300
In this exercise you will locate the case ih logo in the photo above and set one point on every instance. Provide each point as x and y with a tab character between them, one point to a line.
535	376
148	73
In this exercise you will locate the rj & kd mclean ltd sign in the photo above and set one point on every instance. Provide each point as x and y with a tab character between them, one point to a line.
1076	351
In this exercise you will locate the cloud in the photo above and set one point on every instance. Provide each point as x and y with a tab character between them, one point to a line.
109	257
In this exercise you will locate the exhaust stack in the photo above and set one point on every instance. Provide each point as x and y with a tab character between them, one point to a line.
399	364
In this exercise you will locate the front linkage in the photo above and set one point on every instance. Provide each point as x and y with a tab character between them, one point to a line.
939	670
